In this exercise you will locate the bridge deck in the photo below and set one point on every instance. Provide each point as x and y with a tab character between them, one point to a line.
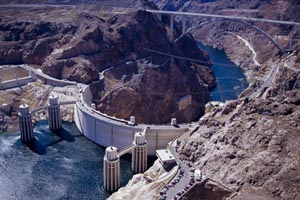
225	17
46	106
126	150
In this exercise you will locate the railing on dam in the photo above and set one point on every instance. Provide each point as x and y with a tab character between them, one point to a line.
46	106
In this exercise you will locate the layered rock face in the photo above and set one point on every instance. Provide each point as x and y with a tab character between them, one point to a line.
255	151
35	41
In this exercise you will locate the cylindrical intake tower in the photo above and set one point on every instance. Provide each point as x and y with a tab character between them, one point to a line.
139	153
54	114
111	169
25	124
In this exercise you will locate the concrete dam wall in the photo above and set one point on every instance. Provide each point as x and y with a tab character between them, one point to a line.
108	131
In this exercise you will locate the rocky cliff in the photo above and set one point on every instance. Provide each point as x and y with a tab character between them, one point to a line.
254	151
250	145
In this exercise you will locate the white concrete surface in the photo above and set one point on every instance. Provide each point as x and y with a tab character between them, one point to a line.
108	131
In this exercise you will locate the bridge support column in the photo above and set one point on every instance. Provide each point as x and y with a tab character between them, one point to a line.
111	169
171	28
139	153
183	25
159	16
54	114
25	124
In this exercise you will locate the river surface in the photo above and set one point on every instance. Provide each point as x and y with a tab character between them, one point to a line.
68	166
231	80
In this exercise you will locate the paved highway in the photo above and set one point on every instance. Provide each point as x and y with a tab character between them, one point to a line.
225	17
156	11
183	181
268	82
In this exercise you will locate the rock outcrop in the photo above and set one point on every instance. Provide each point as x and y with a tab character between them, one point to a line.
251	145
254	151
146	185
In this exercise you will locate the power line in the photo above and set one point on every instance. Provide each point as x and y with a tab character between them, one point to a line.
190	93
189	59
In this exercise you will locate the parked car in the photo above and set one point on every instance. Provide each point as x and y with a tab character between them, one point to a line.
186	188
176	197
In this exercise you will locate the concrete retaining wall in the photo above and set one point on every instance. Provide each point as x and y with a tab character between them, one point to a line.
16	82
53	81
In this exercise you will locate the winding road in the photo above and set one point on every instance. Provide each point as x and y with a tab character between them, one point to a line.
249	46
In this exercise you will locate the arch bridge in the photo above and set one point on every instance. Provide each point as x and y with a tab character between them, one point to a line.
214	18
247	24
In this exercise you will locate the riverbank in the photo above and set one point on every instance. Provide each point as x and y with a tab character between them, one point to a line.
230	78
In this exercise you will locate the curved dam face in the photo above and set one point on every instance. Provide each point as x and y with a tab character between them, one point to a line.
108	131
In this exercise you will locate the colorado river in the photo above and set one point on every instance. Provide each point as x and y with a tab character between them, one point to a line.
68	166
231	80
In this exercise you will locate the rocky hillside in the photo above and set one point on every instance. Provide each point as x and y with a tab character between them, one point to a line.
254	151
229	35
77	43
154	79
249	146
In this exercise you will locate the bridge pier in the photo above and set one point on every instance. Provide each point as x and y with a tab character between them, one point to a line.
171	28
25	124
159	16
54	120
183	25
139	153
111	169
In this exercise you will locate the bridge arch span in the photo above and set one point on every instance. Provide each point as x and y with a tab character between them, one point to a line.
252	26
